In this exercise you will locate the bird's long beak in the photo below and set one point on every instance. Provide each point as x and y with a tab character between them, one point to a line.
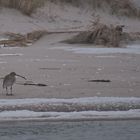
21	76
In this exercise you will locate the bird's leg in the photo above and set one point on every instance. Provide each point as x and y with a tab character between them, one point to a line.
7	91
11	90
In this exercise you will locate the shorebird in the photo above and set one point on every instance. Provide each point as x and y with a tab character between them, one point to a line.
9	80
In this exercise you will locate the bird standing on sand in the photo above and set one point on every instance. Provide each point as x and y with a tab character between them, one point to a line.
9	80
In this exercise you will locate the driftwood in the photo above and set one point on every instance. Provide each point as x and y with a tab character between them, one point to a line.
13	39
100	80
35	84
31	83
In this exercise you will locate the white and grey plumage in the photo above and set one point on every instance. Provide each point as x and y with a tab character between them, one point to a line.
9	80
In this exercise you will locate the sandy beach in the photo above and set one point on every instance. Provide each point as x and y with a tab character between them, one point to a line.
71	82
68	70
67	73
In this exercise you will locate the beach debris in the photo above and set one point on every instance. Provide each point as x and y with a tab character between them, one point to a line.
31	83
36	84
9	39
100	80
50	68
105	35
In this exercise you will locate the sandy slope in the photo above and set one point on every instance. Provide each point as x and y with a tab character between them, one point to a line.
60	17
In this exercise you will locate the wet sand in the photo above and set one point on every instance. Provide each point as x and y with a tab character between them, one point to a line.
67	74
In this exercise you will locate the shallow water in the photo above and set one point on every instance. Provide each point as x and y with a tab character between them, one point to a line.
95	130
130	49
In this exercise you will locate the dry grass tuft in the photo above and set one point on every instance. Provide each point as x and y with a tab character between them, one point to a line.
117	7
25	6
100	34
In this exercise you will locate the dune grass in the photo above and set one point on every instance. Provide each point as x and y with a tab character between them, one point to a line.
115	7
25	6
